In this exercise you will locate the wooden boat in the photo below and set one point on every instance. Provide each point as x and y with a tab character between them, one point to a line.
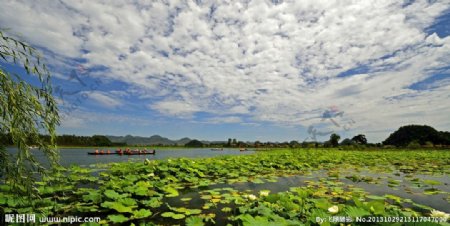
138	153
216	149
100	153
243	149
124	153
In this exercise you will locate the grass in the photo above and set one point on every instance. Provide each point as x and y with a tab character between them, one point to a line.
200	191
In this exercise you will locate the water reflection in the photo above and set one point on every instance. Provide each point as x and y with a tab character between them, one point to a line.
79	156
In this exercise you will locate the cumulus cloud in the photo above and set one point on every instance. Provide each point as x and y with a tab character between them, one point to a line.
104	99
270	61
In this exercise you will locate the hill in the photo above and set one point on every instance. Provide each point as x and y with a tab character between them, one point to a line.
152	140
417	133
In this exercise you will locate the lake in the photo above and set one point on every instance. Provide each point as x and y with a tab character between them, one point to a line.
79	156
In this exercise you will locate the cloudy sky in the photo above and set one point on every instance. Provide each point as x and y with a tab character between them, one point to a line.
253	70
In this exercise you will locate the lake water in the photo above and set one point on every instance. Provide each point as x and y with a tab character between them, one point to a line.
79	156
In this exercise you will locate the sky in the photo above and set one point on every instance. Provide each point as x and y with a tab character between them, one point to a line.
252	70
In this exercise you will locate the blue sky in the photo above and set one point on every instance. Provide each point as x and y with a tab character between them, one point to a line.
251	70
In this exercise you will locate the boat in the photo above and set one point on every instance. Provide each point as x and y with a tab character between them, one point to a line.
139	153
243	149
216	149
136	152
101	153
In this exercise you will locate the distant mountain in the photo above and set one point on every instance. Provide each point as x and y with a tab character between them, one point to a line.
153	140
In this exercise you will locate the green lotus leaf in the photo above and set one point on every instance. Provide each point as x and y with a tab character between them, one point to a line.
119	207
171	192
142	213
153	203
193	211
93	196
226	209
178	216
194	221
322	204
113	194
352	211
432	182
376	206
167	214
117	218
128	201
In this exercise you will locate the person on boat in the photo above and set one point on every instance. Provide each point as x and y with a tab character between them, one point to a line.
96	151
109	152
154	151
102	152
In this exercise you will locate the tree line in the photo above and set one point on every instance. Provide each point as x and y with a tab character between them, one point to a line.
409	136
65	140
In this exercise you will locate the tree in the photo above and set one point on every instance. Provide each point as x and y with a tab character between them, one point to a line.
26	111
347	142
99	140
194	144
334	140
360	139
418	133
294	144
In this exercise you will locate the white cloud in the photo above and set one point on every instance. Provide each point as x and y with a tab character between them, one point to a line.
271	62
176	108
225	119
104	99
72	122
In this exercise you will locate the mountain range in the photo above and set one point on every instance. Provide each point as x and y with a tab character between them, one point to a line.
153	140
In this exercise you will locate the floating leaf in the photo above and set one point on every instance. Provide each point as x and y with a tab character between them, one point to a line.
178	216
118	218
432	182
352	211
171	192
226	209
167	214
113	194
119	207
153	203
194	221
375	197
142	213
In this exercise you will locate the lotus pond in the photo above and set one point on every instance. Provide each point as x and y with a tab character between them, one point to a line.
283	187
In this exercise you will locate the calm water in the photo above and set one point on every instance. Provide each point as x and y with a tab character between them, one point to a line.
69	156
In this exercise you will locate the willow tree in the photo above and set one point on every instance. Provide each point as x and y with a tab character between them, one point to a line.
27	112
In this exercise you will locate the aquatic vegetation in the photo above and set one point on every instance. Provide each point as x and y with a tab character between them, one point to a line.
206	191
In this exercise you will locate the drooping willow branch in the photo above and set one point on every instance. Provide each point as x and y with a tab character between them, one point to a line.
26	112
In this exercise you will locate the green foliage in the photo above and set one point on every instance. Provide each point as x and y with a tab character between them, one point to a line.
26	110
347	142
194	221
422	134
360	139
414	144
194	143
334	139
141	193
118	218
